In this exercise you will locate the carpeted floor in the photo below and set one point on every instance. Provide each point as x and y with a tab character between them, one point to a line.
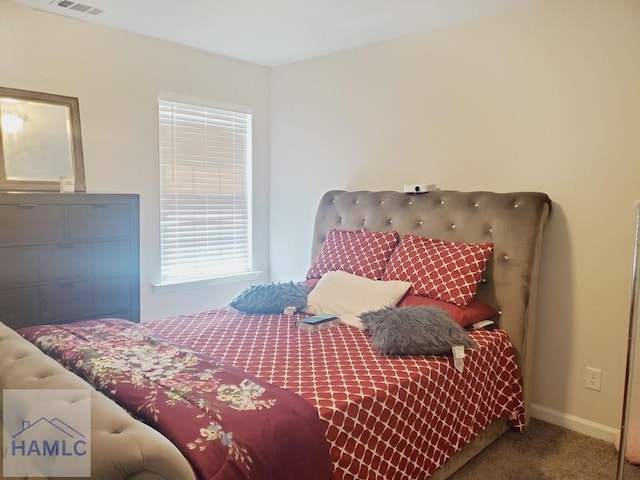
546	452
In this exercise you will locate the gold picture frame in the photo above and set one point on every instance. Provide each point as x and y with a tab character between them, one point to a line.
40	141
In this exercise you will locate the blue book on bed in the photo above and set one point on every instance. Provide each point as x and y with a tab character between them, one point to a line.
318	322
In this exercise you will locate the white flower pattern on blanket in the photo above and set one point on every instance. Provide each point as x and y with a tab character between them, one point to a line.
244	396
137	359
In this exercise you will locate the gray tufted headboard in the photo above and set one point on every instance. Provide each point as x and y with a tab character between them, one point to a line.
514	222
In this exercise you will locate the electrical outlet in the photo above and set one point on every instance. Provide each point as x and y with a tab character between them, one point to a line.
593	379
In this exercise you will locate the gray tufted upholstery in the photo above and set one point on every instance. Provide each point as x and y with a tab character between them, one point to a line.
121	447
514	222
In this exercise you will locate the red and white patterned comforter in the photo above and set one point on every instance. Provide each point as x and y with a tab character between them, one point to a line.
385	417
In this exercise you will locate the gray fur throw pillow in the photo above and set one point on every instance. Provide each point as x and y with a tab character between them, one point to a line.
271	297
414	331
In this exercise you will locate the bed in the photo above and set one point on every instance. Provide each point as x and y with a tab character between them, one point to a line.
357	409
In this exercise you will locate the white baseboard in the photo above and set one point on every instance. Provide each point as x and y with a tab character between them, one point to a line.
577	424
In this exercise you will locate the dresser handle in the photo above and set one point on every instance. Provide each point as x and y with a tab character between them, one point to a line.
27	205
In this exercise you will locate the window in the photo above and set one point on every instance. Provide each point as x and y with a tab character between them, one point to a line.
205	192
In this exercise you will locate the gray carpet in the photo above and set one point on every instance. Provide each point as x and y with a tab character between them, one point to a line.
546	452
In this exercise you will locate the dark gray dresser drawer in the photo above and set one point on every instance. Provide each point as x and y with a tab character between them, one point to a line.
19	265
31	222
66	301
98	221
20	307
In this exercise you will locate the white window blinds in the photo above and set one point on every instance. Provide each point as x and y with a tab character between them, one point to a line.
205	185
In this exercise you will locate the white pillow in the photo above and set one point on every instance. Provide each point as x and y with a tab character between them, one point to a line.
348	295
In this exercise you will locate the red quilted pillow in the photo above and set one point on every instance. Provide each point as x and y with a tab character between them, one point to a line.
447	271
361	252
476	311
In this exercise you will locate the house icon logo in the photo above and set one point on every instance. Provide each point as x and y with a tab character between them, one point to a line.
46	437
46	433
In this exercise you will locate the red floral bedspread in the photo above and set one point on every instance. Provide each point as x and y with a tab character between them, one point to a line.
385	417
229	424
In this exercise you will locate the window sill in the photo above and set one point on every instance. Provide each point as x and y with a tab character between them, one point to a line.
159	288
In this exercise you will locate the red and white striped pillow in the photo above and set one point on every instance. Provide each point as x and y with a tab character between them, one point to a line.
440	269
361	252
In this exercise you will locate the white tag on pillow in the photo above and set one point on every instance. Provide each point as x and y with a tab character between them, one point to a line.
458	357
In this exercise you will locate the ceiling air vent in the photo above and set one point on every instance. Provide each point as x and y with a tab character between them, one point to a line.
78	7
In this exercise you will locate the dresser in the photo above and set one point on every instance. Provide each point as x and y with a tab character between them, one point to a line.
66	257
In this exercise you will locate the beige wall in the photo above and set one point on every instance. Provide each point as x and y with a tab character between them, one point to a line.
117	77
547	98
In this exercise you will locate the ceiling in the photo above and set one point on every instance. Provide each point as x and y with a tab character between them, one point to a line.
275	32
